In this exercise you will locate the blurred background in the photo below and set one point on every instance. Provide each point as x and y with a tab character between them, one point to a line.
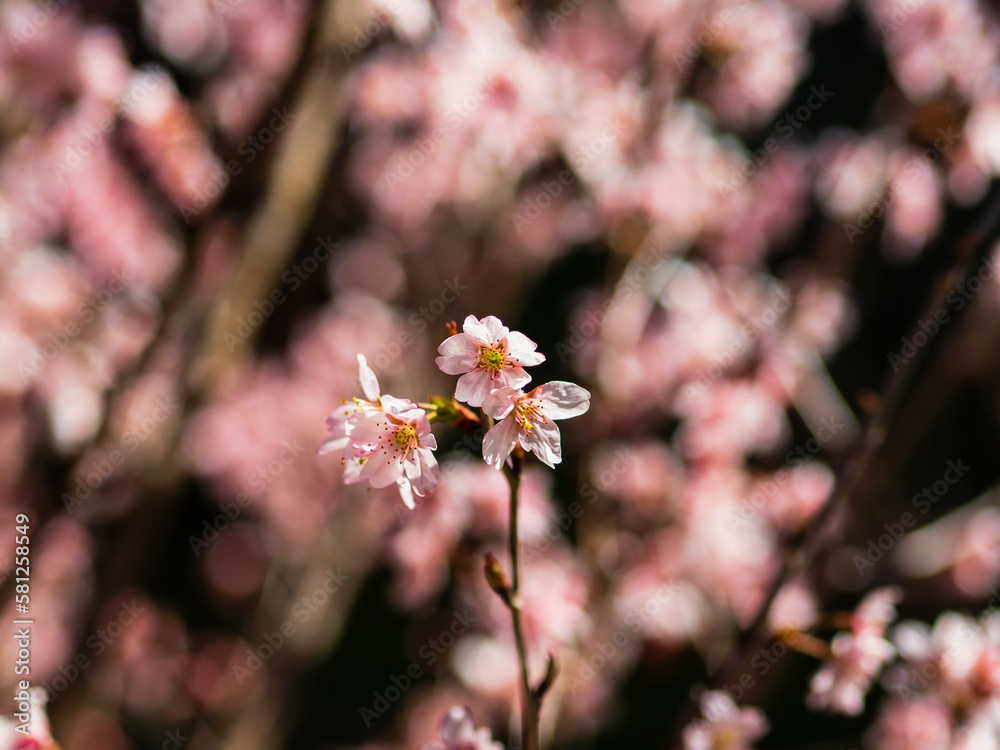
743	225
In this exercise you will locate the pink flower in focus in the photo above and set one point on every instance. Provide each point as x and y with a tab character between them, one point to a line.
725	725
530	420
337	422
459	732
488	356
394	444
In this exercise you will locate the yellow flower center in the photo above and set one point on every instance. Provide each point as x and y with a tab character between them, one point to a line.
528	413
405	437
492	358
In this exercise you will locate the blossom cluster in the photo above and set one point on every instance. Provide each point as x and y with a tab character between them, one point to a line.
388	440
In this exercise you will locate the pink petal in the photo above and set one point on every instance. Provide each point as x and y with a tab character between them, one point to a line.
512	377
522	350
331	444
499	403
499	442
423	471
369	383
460	353
406	492
562	400
477	330
352	470
393	405
497	330
543	441
366	428
386	472
474	387
460	343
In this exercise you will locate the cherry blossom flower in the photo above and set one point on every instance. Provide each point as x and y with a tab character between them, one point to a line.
488	356
725	725
530	420
459	732
337	422
394	444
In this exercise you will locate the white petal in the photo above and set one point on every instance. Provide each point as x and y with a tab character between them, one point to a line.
562	400
499	442
476	330
423	472
499	403
386	471
459	354
543	441
331	444
369	383
352	470
406	492
512	377
521	349
497	330
460	343
474	387
393	405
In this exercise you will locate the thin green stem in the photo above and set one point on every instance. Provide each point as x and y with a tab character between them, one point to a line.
529	704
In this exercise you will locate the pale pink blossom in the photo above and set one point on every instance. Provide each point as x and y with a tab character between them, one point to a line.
337	422
725	725
459	732
530	420
394	444
488	356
